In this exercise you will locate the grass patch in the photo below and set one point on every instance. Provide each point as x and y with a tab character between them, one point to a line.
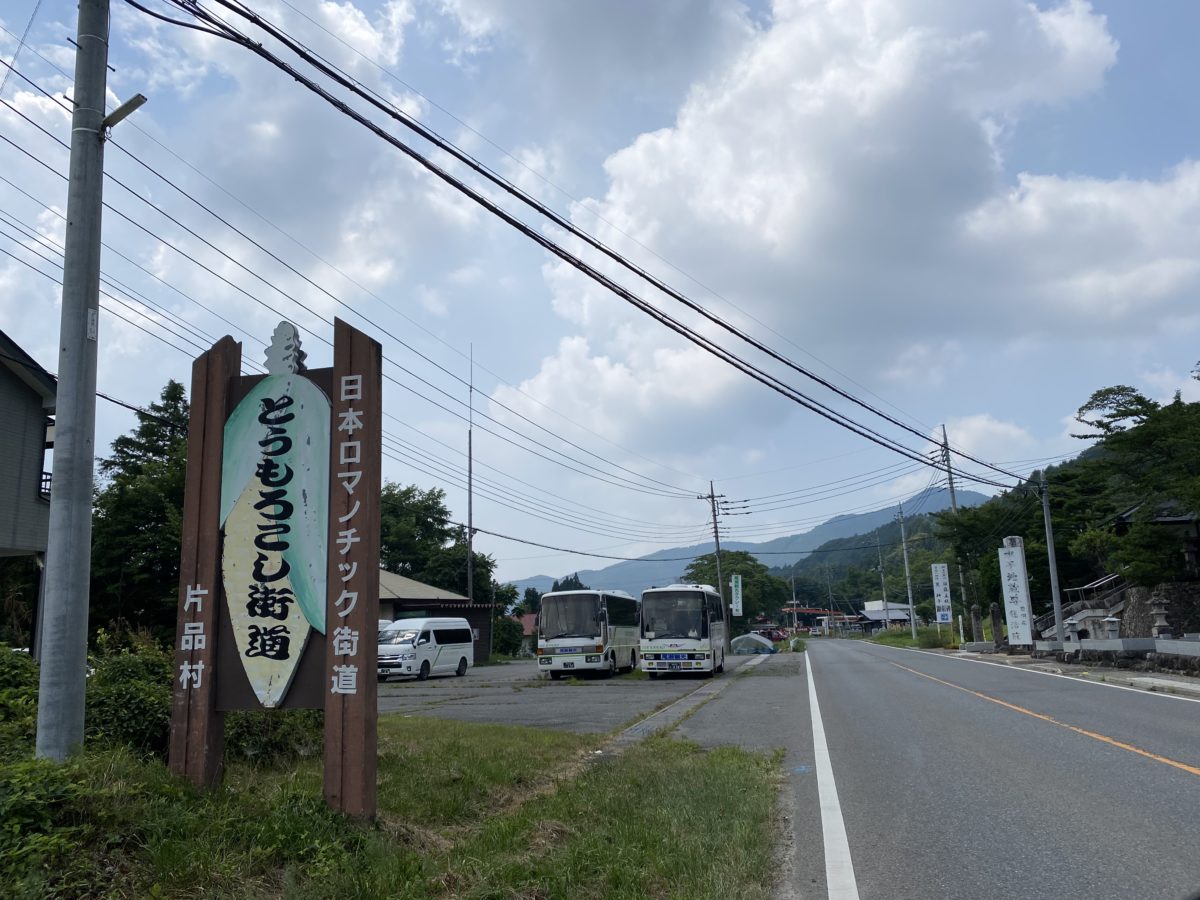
664	819
466	810
928	638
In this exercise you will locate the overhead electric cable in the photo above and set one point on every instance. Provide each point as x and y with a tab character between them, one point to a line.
649	488
333	72
705	343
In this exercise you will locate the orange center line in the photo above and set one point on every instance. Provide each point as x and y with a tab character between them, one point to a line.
1193	770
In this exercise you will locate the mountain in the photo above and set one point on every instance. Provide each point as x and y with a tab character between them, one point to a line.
667	566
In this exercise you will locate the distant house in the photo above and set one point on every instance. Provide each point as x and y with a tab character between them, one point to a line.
27	396
528	623
406	598
878	619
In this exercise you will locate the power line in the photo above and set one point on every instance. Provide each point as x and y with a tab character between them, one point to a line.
664	489
103	396
581	204
333	72
705	343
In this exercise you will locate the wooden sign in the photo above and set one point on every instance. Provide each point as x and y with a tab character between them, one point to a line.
279	585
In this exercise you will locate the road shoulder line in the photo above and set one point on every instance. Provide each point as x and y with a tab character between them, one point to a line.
839	867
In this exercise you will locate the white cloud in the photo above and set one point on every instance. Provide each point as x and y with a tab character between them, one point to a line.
839	176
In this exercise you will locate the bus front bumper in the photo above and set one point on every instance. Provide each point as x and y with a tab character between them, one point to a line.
571	662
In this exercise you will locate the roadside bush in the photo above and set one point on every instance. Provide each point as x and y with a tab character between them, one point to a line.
129	698
33	796
18	702
932	638
266	737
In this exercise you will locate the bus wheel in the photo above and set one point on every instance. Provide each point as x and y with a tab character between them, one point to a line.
612	667
653	675
554	676
424	673
462	667
721	667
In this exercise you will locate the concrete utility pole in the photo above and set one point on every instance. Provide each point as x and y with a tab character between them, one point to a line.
711	497
912	615
471	483
887	623
1059	633
68	556
962	583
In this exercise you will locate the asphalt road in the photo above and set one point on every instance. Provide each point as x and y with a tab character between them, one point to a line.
514	694
941	777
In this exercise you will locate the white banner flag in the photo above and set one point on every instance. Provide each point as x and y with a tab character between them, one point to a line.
735	604
1015	582
941	592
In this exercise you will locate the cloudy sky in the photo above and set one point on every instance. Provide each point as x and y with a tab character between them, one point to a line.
963	213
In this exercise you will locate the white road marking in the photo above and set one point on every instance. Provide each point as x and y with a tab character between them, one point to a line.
1103	684
839	868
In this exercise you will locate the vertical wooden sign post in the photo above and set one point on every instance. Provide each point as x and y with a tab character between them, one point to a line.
352	616
197	729
279	573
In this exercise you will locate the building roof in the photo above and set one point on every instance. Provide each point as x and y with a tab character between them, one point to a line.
397	587
528	624
26	369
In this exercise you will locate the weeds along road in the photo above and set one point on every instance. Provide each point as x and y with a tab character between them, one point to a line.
921	776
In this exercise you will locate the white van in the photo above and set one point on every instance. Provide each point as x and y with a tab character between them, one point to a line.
424	647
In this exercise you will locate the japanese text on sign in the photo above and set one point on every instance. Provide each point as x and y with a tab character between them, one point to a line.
941	593
344	676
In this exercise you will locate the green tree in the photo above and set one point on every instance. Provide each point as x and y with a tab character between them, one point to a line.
504	596
570	583
1113	409
762	592
506	636
137	519
414	526
532	600
446	567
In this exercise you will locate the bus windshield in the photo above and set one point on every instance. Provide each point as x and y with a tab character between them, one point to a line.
570	616
673	614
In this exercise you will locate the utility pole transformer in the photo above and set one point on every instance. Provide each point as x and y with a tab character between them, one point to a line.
68	556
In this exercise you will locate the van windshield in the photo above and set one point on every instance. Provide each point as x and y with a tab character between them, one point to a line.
398	636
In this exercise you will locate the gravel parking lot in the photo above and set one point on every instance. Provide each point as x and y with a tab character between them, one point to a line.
513	694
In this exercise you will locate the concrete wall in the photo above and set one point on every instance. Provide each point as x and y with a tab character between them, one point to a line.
24	515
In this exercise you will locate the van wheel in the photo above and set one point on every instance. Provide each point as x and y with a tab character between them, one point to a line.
424	673
462	667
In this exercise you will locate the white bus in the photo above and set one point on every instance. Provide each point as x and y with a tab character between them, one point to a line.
683	630
581	631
